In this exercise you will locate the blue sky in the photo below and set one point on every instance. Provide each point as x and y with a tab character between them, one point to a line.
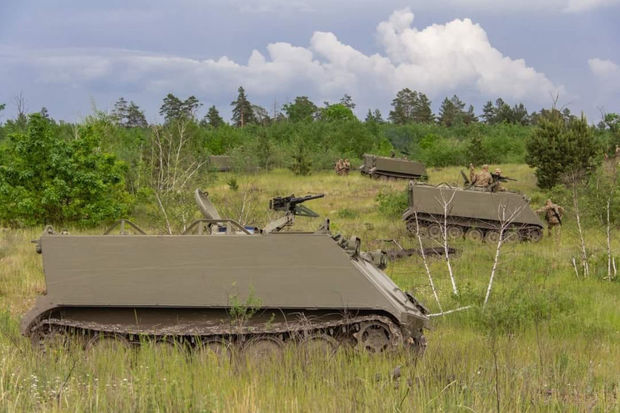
72	56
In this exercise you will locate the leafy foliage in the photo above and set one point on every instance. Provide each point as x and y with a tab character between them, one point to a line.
411	106
559	146
53	180
301	110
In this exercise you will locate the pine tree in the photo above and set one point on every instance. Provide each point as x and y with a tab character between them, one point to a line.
559	146
347	101
404	105
422	112
489	113
447	113
242	113
374	117
128	115
175	108
135	117
213	118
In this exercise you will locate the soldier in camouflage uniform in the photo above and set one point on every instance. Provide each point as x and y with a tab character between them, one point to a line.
483	179
346	166
553	214
497	185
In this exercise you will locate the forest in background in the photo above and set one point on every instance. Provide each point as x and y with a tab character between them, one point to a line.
116	164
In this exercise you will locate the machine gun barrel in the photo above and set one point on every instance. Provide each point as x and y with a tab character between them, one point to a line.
502	178
293	205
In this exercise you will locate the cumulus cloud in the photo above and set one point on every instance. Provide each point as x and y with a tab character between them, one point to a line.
439	60
607	74
603	68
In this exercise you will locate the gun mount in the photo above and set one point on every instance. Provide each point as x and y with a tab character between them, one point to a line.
294	205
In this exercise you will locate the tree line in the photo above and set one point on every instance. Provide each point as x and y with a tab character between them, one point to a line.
112	163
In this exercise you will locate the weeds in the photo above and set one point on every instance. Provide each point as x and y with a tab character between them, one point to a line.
555	336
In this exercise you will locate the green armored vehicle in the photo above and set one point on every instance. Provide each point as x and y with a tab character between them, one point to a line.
384	167
220	163
474	214
222	285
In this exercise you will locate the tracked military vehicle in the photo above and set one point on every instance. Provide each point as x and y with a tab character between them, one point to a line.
220	163
475	214
383	167
222	285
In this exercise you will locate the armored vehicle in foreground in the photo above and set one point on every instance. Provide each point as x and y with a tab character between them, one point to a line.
222	285
477	215
392	168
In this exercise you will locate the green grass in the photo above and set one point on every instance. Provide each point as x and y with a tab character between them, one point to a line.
553	337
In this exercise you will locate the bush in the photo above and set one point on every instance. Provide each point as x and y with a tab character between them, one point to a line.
559	146
47	179
392	204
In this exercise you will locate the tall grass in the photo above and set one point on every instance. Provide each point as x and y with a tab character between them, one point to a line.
547	341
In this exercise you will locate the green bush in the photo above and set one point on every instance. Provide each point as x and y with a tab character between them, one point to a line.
47	179
392	204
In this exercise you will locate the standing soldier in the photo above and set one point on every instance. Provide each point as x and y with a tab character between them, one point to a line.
553	214
338	167
346	166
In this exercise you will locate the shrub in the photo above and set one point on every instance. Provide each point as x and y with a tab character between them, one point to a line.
392	204
47	179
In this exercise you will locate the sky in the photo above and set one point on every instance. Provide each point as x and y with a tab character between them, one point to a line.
77	56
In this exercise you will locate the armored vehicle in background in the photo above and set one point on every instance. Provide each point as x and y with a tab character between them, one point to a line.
392	168
475	214
223	286
220	163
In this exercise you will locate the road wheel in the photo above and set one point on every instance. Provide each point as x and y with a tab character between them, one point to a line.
263	348
474	234
434	231
318	345
374	337
511	236
455	232
49	340
534	235
213	347
491	236
107	342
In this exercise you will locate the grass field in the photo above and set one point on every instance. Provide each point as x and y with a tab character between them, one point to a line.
547	341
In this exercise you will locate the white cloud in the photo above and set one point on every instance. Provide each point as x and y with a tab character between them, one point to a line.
607	74
439	60
584	5
603	68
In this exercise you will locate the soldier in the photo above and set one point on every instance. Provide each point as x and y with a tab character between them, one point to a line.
483	179
338	167
346	166
497	184
472	173
553	214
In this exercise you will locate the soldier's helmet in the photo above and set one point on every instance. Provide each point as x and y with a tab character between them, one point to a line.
498	171
485	167
549	202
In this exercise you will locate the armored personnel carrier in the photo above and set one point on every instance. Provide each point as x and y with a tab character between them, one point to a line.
220	163
471	213
392	168
222	285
